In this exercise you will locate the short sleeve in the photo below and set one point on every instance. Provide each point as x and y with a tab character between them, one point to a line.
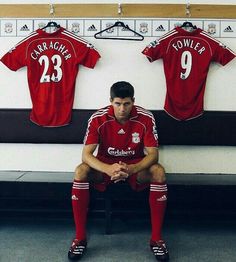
154	51
223	54
16	57
92	135
91	57
151	136
87	55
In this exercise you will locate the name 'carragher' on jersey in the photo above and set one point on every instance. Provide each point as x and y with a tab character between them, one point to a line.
52	61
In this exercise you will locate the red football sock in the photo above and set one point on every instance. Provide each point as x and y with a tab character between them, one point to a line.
157	202
80	201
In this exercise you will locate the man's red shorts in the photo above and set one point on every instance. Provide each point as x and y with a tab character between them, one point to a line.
132	180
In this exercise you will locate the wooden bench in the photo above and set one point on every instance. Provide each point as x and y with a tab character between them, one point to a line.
49	192
39	194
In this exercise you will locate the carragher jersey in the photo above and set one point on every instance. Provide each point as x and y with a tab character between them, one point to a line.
52	61
119	142
186	59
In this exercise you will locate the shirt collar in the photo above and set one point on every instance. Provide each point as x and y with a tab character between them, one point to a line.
186	33
46	34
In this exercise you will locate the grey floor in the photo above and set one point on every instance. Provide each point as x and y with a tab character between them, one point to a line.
44	240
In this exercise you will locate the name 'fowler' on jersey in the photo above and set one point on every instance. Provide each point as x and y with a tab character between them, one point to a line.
186	60
191	43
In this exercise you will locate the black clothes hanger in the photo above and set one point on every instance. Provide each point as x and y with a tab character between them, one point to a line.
122	25
188	24
51	24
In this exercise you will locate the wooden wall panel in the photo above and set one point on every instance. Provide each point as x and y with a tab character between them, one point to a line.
111	10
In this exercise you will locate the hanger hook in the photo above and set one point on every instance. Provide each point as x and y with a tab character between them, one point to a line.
119	9
187	10
52	10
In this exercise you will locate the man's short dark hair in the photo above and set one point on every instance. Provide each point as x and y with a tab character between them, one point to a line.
122	89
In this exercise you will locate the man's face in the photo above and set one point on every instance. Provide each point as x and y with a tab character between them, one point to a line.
122	108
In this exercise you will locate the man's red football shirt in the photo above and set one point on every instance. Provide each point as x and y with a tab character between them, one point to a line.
119	142
52	61
186	59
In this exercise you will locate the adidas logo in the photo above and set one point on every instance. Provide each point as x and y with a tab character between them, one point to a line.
92	28
121	132
228	29
163	198
24	28
160	28
74	197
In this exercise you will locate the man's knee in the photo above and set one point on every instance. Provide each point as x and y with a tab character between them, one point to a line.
81	172
157	173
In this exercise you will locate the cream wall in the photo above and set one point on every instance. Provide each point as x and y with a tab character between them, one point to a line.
150	92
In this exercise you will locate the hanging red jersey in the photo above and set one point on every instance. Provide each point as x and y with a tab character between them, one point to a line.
52	61
186	59
119	142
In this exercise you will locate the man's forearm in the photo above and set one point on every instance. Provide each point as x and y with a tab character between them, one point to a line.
145	163
94	163
109	169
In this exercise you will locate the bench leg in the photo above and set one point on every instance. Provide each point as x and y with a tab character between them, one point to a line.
108	214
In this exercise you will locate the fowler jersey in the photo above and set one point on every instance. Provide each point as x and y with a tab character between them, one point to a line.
186	59
119	142
52	61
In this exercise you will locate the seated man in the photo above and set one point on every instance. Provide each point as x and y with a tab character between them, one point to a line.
127	143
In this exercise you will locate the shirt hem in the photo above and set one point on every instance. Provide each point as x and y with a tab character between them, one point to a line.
187	119
48	126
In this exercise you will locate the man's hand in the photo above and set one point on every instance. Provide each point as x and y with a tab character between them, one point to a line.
119	176
122	174
115	169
